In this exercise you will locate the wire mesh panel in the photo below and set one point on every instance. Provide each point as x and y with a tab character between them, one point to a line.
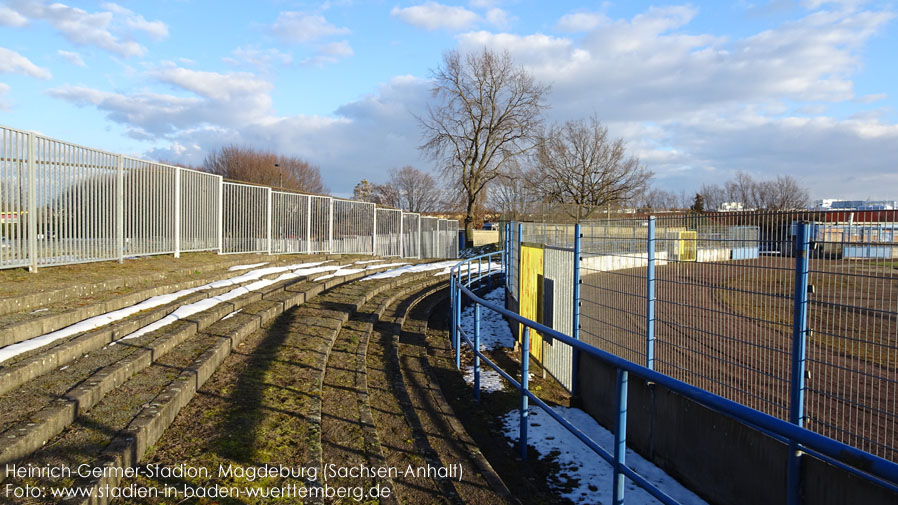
13	198
453	234
149	207
558	311
389	238
289	223
245	218
429	237
353	227
319	224
613	269
75	199
199	210
852	347
411	235
443	242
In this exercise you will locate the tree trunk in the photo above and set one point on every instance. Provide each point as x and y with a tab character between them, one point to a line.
469	225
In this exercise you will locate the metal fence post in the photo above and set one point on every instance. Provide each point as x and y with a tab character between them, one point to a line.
309	224
476	350
799	341
650	296
268	222
120	207
330	228
32	206
620	438
458	305
401	235
374	234
525	386
452	321
220	215
575	325
178	213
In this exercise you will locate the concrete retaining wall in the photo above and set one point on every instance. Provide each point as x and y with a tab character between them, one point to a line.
721	459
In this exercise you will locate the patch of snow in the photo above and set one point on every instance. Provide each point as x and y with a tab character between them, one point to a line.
582	467
490	380
407	269
295	270
494	330
367	261
231	314
484	268
247	267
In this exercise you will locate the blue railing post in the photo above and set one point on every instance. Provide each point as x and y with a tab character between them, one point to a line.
476	350
458	297
452	302
525	386
575	324
620	438
650	297
479	273
799	341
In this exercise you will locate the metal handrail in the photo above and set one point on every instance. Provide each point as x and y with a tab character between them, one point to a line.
864	464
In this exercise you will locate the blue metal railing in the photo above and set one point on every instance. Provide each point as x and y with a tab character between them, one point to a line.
464	280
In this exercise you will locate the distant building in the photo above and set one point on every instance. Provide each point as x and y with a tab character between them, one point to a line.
836	204
731	207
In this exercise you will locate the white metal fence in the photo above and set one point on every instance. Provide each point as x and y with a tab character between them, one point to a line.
62	203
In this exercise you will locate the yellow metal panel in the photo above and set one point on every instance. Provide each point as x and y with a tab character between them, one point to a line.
688	246
531	294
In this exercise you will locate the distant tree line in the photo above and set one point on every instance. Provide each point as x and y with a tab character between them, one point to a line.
247	164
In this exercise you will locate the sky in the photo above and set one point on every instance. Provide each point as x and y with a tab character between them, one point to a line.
699	91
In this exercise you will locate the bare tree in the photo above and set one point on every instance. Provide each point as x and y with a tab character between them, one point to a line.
714	195
660	199
416	191
782	193
579	165
487	112
743	189
264	167
381	194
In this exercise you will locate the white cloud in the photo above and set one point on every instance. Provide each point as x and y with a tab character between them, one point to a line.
72	57
499	18
263	59
433	16
14	63
301	27
9	17
4	89
580	22
90	29
484	4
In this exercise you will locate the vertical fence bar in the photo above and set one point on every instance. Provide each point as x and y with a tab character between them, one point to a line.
330	228
220	215
120	208
575	324
620	438
476	350
525	386
374	234
32	206
458	304
177	213
452	302
650	296
799	337
309	224
268	222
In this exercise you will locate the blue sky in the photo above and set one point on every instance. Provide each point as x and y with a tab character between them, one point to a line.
698	90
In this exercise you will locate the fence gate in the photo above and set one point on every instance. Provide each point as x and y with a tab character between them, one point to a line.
531	294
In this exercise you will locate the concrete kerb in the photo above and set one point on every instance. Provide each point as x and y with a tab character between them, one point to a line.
50	421
486	469
35	300
17	374
148	427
